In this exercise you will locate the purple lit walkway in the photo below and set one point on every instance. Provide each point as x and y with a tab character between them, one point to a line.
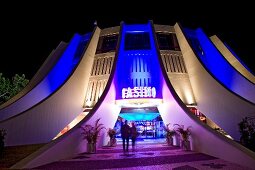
146	156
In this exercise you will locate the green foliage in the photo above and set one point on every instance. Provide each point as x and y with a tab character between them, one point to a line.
5	88
247	131
9	88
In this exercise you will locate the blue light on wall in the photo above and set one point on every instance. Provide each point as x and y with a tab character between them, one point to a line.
138	64
67	61
211	57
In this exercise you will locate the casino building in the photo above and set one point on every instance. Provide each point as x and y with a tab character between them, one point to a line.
145	73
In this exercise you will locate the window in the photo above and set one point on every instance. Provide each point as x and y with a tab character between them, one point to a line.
137	41
107	44
167	41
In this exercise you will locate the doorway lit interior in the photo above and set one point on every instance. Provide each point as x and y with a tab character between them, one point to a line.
148	121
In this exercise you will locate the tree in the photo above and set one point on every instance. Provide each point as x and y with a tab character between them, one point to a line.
9	88
247	130
4	88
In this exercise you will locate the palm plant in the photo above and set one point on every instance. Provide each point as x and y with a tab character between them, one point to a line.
91	133
185	133
169	132
111	133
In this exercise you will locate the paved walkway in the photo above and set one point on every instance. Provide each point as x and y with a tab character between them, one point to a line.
145	157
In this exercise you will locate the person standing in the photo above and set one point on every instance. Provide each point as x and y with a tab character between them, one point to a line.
133	135
125	133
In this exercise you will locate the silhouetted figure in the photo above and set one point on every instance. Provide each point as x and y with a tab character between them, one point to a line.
133	135
125	133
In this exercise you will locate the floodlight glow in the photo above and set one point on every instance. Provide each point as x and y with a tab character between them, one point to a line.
139	116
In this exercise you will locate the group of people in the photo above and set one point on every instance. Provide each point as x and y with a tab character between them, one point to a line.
128	132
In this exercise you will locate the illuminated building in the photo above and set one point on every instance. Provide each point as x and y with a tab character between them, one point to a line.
134	71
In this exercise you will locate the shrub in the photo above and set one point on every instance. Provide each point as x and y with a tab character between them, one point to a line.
2	137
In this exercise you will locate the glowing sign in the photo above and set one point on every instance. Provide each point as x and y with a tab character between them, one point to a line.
138	92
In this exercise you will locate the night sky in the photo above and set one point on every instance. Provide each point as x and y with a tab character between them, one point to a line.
29	34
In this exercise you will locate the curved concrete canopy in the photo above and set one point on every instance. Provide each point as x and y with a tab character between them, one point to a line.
52	105
215	100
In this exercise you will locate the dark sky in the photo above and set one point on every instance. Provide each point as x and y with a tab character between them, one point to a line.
30	33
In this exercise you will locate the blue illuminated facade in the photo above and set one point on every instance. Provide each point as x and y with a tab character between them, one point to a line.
138	73
68	61
211	57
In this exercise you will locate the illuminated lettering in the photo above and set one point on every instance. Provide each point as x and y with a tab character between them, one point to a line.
138	92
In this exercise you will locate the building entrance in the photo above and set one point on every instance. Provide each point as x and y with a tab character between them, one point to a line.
148	122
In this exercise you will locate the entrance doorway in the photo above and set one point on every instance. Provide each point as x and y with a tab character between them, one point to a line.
148	122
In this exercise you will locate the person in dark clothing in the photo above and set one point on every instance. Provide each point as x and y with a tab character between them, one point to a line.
125	133
133	135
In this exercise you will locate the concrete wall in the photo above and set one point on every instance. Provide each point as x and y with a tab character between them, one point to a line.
223	107
43	122
100	73
176	70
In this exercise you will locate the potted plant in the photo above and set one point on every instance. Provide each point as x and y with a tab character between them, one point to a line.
91	134
2	137
169	134
111	133
185	134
